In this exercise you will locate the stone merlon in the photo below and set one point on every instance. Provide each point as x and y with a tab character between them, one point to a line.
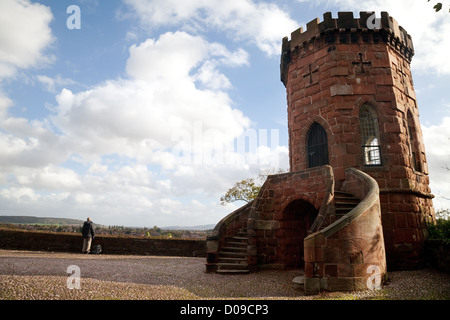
384	29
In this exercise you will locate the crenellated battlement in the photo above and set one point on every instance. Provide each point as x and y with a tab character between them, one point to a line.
348	29
346	22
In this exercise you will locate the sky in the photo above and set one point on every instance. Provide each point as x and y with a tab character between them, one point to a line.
144	112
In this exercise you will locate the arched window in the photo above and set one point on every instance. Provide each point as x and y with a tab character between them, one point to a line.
317	148
412	142
370	138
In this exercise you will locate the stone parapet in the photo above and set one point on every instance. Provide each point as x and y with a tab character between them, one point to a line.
347	29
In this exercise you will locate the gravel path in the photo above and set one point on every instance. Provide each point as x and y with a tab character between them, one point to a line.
41	276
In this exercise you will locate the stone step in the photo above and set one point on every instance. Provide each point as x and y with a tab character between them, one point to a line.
237	243
229	253
233	271
234	249
231	265
351	202
343	194
233	257
345	209
239	238
342	211
229	259
346	196
344	202
299	281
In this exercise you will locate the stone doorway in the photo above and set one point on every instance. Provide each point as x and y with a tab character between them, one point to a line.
298	217
317	147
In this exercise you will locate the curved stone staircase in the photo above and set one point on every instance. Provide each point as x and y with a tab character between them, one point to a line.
346	240
338	256
233	256
226	247
344	202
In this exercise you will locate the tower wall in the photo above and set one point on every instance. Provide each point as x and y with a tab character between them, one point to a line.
336	71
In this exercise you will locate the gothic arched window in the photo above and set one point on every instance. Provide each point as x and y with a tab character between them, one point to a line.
370	138
412	142
317	148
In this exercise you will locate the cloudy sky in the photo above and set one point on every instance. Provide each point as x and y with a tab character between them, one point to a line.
147	111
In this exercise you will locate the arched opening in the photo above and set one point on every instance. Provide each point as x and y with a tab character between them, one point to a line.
413	149
370	137
298	217
317	146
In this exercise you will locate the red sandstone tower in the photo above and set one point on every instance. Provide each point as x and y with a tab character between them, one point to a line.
351	103
356	199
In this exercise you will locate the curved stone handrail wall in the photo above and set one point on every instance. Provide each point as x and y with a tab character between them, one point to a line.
369	198
343	255
228	226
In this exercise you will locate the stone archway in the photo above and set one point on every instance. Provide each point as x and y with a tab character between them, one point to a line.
298	216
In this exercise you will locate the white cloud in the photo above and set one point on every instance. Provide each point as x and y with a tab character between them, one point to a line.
437	144
52	84
22	194
211	78
24	35
172	56
96	153
262	24
139	117
49	178
120	127
29	143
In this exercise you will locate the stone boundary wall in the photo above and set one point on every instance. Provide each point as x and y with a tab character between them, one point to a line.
71	242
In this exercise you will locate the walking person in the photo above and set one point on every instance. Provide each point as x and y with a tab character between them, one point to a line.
88	235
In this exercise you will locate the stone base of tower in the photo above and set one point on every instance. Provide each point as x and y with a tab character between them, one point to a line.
404	218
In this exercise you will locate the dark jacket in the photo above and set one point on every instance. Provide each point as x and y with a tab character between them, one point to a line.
88	229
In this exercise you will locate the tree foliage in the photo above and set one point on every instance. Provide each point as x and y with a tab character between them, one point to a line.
440	229
247	190
438	6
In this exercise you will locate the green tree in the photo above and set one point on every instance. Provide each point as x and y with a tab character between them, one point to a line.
440	229
438	6
247	190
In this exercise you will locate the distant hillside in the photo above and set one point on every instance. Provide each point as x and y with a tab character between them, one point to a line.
71	222
190	228
39	220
